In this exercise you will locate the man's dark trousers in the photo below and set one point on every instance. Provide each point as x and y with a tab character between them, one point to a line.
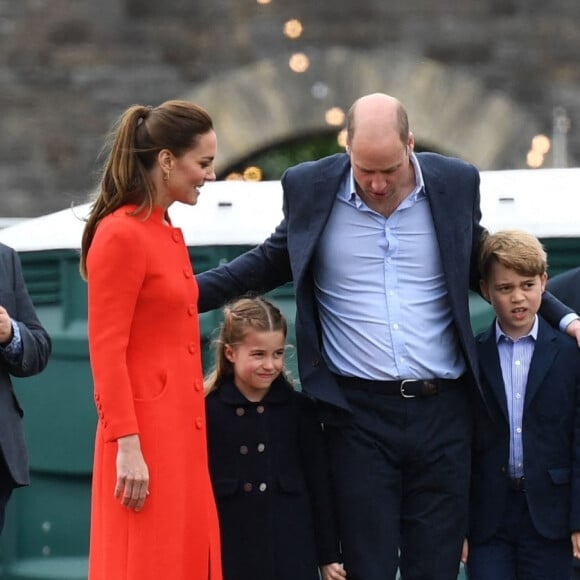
401	477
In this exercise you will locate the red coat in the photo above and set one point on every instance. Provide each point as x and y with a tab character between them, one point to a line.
146	362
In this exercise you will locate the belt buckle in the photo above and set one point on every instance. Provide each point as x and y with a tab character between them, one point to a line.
402	388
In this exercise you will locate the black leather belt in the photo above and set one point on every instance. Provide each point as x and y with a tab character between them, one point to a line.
517	483
407	388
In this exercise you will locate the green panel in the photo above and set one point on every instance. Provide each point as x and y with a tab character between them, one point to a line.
53	516
69	568
563	254
59	416
481	313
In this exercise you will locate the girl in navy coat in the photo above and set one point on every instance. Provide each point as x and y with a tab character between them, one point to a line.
267	458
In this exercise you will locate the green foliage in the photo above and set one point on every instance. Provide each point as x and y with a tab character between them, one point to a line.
275	160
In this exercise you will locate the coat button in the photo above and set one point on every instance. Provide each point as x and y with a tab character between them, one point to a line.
191	347
240	411
243	449
261	447
199	423
247	487
260	409
191	310
187	272
263	487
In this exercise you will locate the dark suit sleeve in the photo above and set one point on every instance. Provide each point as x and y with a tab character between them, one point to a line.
553	310
566	287
575	492
36	344
317	471
260	270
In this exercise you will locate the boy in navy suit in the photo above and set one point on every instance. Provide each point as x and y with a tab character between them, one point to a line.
525	502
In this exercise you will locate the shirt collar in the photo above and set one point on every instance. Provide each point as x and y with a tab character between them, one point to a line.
348	192
501	335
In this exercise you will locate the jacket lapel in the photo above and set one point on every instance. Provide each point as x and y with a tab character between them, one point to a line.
318	197
544	353
490	367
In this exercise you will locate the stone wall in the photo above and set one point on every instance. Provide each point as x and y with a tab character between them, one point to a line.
69	67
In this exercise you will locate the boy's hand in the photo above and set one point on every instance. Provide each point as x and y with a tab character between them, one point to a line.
465	551
333	571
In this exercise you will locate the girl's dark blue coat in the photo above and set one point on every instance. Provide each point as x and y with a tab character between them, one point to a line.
270	476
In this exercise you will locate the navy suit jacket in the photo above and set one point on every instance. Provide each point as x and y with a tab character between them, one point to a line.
551	438
36	348
566	287
310	188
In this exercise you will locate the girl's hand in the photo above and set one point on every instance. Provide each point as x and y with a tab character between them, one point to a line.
333	571
465	551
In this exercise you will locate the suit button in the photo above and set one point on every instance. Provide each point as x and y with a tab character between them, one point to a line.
503	470
240	411
248	487
244	449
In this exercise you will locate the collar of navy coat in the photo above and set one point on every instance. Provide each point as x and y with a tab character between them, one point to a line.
280	392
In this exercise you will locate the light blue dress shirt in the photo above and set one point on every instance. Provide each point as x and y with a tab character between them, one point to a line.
515	357
381	291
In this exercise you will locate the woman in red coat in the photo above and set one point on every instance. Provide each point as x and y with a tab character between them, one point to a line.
153	513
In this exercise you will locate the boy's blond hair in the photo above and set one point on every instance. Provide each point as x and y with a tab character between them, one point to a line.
515	249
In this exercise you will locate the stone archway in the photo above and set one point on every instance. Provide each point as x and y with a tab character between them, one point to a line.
266	103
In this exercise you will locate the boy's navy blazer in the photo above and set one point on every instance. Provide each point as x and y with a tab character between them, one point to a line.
551	437
310	189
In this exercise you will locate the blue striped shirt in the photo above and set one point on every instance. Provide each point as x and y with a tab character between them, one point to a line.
381	291
13	350
514	358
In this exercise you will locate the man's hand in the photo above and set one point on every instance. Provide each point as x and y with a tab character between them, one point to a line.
5	326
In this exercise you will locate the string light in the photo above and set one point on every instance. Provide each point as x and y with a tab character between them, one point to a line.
252	173
293	28
540	146
299	62
334	116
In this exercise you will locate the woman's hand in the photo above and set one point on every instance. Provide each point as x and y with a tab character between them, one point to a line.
132	473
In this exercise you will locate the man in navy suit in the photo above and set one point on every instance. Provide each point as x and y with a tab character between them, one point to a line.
381	245
525	501
24	351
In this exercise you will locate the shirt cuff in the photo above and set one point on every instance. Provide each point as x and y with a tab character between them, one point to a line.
13	350
567	320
